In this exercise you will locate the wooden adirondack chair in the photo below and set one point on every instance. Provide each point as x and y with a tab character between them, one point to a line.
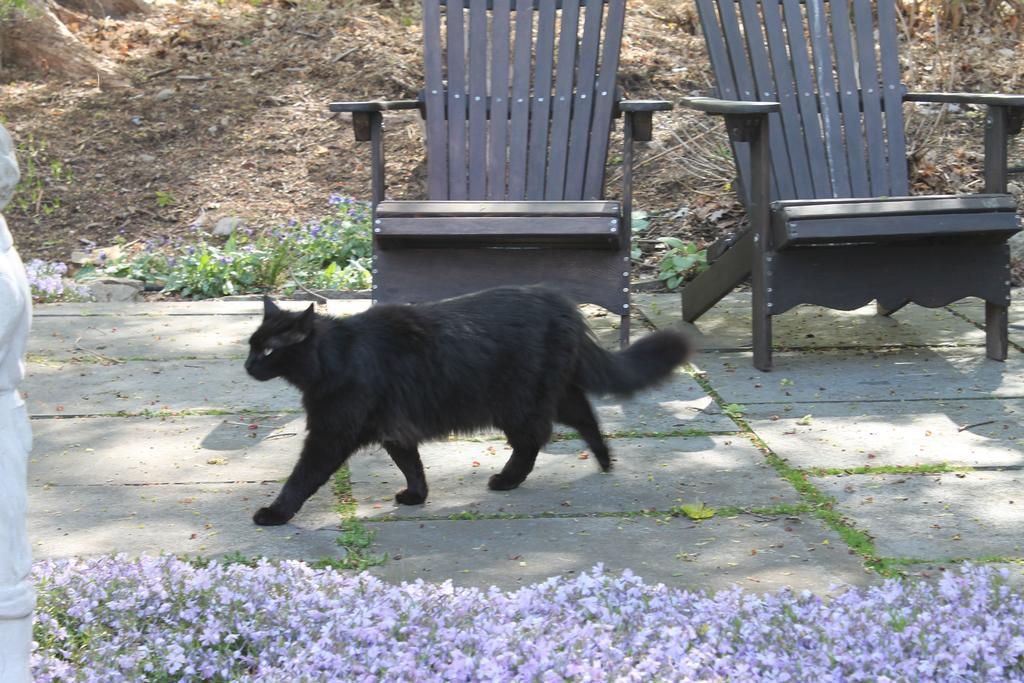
519	102
812	99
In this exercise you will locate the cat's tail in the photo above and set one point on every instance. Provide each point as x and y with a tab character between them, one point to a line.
643	364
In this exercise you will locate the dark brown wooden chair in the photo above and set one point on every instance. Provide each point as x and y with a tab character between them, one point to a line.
812	99
519	102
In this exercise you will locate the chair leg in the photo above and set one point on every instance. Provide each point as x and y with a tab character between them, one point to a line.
882	310
762	341
997	334
624	332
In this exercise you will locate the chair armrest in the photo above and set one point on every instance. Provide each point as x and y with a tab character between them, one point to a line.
990	99
629	106
640	113
378	106
367	114
713	105
1004	120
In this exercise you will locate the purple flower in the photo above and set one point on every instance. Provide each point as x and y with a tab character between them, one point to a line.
46	281
120	619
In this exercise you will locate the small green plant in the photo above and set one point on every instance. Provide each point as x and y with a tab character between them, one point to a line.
639	223
236	557
734	409
164	199
465	515
39	174
331	253
356	539
680	259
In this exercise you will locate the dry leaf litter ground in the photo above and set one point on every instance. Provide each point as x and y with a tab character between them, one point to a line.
226	116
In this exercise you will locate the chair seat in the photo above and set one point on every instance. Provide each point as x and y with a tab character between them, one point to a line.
981	217
497	224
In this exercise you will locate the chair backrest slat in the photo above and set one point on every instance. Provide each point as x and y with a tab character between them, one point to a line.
764	86
604	100
849	99
561	113
586	71
734	43
722	66
520	123
540	107
828	106
501	42
832	77
892	96
787	93
437	121
514	101
456	55
477	99
871	99
807	98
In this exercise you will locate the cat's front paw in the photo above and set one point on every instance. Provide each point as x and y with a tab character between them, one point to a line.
407	497
270	517
499	482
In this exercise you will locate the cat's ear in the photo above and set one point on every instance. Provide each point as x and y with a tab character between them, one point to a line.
270	309
300	329
305	321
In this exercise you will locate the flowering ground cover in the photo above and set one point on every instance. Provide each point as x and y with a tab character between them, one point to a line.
46	282
330	253
165	619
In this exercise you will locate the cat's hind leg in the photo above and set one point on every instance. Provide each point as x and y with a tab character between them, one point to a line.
526	441
574	411
408	460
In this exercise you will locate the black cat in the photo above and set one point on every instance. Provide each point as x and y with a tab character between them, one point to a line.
515	358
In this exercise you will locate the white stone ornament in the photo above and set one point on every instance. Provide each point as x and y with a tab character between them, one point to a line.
17	599
9	174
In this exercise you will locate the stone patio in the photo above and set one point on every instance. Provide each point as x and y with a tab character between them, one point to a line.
149	437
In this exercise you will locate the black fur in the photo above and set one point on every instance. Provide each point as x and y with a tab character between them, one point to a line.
515	358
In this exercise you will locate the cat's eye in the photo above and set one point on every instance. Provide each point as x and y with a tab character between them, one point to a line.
267	352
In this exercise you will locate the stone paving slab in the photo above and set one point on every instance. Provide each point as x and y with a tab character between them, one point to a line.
811	327
201	334
932	571
646	474
223	385
713	554
91	389
873	434
211	307
159	337
936	516
727	326
974	310
106	450
678	404
104	484
208	519
868	375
